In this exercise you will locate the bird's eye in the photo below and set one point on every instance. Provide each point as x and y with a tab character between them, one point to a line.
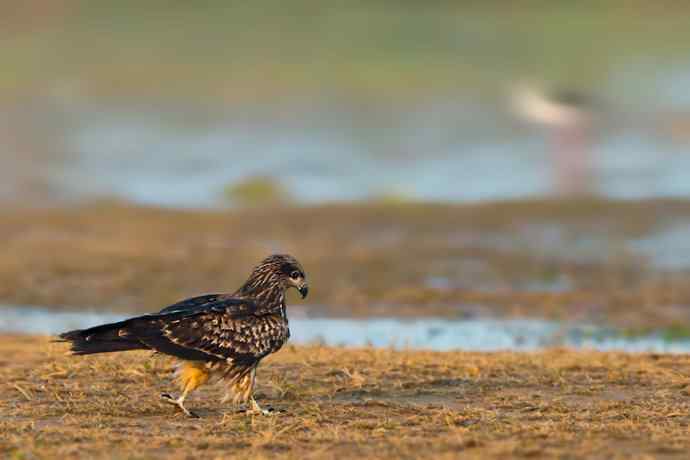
294	275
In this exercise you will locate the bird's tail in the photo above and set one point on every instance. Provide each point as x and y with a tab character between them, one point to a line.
102	339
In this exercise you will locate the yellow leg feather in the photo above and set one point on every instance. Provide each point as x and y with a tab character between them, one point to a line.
190	376
244	392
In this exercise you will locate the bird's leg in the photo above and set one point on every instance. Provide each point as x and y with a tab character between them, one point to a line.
254	408
190	376
179	402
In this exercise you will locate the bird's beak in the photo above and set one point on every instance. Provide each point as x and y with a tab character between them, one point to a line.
303	290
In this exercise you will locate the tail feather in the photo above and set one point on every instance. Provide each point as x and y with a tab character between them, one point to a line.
102	339
140	333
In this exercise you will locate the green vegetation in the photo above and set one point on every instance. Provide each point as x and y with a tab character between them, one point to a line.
258	191
677	332
386	50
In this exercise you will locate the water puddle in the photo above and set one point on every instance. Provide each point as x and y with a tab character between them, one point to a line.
327	153
425	333
668	248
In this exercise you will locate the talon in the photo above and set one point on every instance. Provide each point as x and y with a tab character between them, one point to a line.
255	409
269	411
260	412
179	403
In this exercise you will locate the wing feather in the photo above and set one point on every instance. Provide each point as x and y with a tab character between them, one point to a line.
243	337
192	304
211	328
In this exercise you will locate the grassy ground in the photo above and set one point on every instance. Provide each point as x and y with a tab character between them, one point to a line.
554	259
363	403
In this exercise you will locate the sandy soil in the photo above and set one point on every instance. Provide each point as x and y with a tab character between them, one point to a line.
337	403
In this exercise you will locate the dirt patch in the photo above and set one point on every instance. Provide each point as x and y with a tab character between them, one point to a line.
358	403
549	259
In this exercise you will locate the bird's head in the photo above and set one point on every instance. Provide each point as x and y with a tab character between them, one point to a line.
278	270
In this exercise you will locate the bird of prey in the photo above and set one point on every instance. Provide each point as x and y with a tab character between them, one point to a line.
215	337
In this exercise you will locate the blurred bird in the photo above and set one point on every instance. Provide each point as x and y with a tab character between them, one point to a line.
217	336
569	115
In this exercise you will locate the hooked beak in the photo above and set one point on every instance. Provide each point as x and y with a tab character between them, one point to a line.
303	290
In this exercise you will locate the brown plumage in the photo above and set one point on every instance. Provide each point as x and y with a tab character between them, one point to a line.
217	336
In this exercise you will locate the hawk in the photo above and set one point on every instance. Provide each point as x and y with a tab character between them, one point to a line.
214	337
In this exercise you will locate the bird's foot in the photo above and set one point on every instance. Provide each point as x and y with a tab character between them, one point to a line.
261	411
179	403
255	409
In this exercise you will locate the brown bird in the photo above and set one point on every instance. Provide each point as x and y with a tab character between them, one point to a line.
215	337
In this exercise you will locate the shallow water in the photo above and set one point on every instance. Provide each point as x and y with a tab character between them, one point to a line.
451	149
668	248
435	334
323	158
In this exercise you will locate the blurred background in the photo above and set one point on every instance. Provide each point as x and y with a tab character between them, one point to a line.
466	159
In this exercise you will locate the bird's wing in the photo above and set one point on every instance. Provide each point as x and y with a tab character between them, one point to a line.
225	303
192	304
228	328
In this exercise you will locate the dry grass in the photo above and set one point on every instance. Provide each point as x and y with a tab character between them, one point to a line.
496	259
363	403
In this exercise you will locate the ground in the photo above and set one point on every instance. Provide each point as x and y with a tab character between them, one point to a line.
350	403
579	260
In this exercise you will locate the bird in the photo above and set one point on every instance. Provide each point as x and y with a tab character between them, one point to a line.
214	337
572	118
